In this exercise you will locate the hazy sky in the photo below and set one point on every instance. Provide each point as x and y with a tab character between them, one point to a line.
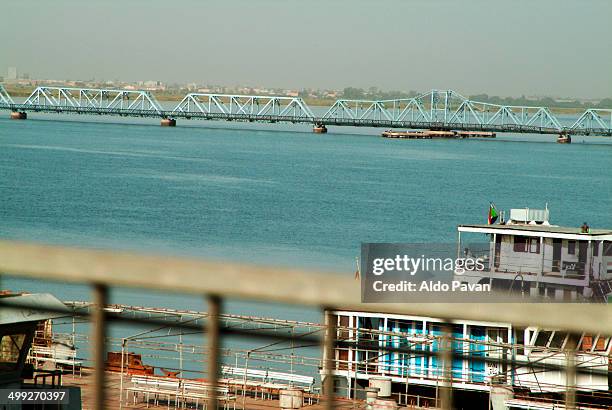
503	47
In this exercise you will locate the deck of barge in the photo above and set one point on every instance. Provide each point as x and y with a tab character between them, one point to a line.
435	134
113	389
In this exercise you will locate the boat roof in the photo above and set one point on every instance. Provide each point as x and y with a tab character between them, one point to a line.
30	308
540	230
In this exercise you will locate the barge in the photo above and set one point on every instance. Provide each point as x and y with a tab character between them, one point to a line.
510	366
437	134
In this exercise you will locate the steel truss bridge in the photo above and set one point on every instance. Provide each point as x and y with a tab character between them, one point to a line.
437	109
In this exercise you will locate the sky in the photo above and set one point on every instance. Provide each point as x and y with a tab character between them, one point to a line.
499	47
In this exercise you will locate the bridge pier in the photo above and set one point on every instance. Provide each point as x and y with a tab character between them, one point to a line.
168	122
19	115
319	129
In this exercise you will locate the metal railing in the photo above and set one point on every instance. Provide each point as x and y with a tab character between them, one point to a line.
216	281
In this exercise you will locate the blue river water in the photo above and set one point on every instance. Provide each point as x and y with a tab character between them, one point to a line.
274	195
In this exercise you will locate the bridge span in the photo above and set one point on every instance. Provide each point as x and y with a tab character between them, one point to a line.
437	109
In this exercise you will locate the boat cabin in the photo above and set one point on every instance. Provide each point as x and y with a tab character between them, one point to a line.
408	352
20	316
528	255
369	335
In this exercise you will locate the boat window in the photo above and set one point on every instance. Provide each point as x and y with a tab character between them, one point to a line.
534	245
558	339
571	247
587	343
595	246
519	337
492	335
365	325
607	248
520	244
344	324
333	319
526	244
406	326
369	323
602	344
542	338
10	348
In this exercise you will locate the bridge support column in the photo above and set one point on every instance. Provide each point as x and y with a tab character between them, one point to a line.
168	122
319	129
19	115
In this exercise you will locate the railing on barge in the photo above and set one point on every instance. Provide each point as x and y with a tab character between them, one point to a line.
102	270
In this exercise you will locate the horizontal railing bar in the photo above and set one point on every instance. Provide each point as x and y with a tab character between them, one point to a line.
291	286
490	347
284	324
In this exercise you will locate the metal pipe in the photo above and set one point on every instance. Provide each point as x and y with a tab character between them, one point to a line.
213	335
123	346
180	346
100	297
244	379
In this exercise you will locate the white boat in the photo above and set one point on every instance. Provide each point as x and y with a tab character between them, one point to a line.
528	256
505	364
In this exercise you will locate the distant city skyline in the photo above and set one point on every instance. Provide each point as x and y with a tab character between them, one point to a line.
543	48
24	80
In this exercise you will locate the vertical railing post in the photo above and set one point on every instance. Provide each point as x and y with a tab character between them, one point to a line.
328	358
570	372
180	347
100	296
123	346
445	355
213	335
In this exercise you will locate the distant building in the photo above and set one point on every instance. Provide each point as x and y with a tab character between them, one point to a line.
11	73
151	85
